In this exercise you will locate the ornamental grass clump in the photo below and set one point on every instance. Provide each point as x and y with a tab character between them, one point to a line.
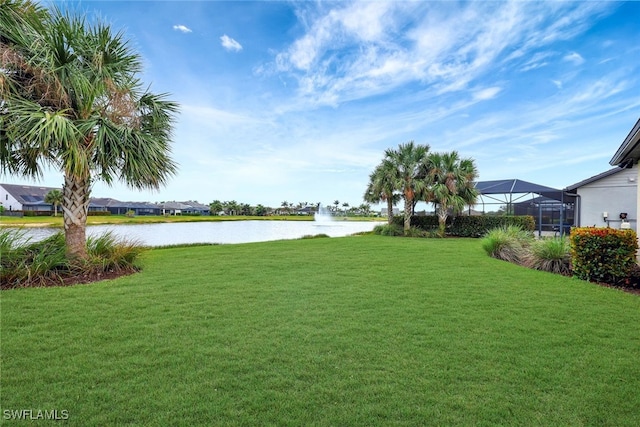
109	253
508	243
604	255
44	263
23	263
552	255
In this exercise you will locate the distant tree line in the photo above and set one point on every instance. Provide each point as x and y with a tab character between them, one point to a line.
233	207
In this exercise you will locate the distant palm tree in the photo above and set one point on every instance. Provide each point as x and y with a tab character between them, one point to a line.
216	207
231	207
71	100
409	161
55	198
365	209
381	187
337	203
450	184
345	205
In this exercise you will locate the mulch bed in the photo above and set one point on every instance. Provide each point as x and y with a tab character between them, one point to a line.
81	279
629	289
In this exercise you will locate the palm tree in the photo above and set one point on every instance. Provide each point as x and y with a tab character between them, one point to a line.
409	160
450	184
215	207
285	205
382	188
345	205
72	101
54	197
364	209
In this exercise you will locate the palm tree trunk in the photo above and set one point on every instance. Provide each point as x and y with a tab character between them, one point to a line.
389	210
74	208
442	219
407	214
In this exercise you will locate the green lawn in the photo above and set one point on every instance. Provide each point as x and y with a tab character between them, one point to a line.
364	330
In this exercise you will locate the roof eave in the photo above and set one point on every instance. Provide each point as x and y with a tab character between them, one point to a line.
630	148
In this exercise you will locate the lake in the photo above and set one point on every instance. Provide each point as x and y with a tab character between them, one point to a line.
222	232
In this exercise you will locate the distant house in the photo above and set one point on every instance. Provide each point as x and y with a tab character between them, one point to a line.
180	208
307	210
196	208
606	198
384	211
116	207
25	197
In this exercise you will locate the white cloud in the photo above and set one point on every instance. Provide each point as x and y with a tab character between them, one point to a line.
486	94
182	28
558	83
574	57
230	44
371	48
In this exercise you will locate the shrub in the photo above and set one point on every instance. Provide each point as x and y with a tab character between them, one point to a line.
633	280
314	236
507	243
478	226
417	232
470	226
552	255
605	255
98	213
389	230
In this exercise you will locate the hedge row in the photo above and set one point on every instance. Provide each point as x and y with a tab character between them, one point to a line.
470	226
98	213
603	254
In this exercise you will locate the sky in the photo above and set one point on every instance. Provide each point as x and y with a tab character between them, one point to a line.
297	101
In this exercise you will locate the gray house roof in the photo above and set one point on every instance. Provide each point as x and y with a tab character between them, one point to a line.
185	206
113	203
629	151
594	178
174	205
27	194
518	186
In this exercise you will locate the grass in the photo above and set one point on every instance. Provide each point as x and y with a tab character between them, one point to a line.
365	330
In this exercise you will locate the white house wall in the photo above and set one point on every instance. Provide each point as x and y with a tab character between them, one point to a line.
8	201
613	194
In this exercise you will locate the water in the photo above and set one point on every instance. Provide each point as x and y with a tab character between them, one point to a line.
219	231
323	216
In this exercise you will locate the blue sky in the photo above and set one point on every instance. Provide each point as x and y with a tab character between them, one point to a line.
297	101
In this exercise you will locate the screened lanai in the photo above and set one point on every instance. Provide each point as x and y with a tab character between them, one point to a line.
554	210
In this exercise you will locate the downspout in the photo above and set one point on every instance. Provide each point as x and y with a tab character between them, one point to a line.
578	211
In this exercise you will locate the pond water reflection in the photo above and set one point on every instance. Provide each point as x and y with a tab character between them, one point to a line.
218	231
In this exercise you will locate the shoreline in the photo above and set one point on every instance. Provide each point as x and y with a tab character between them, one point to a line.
46	222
